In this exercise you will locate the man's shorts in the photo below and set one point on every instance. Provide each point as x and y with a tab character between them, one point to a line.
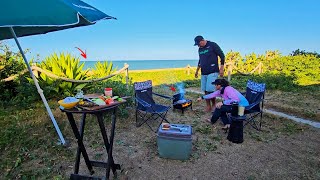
206	81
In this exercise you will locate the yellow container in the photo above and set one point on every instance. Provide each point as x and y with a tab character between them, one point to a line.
68	105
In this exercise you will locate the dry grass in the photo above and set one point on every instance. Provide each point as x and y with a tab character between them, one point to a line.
282	150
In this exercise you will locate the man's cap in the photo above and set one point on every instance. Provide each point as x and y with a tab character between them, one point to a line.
197	40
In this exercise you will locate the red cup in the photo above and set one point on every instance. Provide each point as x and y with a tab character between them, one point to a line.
108	92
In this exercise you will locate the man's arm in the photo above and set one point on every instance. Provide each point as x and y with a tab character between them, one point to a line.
221	70
197	70
220	53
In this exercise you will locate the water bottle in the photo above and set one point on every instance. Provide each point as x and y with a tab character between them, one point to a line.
234	110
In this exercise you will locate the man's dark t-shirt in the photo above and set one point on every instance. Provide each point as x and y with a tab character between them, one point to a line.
208	58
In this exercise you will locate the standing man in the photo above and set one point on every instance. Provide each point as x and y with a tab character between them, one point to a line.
208	62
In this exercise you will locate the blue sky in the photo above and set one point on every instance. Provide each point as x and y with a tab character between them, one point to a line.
165	29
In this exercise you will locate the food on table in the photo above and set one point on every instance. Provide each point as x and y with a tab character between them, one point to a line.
99	101
86	103
115	97
109	101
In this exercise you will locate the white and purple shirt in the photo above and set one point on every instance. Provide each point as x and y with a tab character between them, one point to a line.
229	96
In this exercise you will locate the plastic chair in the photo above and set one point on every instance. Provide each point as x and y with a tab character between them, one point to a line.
255	95
146	108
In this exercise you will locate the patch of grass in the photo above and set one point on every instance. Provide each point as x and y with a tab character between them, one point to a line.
309	113
206	145
291	128
251	177
217	138
206	129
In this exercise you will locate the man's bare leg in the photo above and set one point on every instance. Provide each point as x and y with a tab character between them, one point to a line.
213	101
209	107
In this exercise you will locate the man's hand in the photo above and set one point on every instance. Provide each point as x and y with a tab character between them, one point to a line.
197	70
218	105
199	99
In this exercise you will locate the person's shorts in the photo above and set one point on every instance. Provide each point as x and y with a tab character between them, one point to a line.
206	81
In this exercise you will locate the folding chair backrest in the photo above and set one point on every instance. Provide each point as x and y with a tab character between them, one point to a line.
143	90
254	94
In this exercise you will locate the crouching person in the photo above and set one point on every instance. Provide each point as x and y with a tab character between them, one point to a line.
229	95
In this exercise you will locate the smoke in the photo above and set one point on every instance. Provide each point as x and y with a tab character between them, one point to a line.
181	90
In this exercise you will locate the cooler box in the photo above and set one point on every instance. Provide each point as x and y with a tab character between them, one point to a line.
175	142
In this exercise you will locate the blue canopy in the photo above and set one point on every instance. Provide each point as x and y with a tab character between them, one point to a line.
30	17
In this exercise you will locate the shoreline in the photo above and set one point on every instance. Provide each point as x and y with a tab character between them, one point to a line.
161	69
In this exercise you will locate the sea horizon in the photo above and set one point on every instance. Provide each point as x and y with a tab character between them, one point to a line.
144	60
145	64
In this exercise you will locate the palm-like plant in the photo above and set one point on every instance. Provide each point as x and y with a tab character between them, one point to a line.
64	65
103	69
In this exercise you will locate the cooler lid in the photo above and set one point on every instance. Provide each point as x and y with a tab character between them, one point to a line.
176	130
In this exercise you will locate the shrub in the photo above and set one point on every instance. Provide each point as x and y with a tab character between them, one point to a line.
11	63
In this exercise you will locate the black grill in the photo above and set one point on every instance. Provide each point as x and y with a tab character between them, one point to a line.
179	102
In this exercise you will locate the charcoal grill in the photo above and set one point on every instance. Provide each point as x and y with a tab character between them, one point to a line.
179	102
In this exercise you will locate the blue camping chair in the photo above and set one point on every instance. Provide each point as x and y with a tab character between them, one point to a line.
255	95
146	108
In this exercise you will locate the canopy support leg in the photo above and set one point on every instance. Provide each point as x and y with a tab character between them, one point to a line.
40	91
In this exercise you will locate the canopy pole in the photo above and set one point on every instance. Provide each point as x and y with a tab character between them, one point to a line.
40	91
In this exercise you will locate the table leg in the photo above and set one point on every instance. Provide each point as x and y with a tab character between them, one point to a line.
82	124
80	142
110	157
107	144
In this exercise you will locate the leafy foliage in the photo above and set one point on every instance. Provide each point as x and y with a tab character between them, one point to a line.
10	64
66	66
303	52
103	69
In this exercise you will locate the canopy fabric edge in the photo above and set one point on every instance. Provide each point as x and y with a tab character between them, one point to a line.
62	25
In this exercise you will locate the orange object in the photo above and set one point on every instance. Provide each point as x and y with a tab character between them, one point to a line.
109	101
101	97
186	104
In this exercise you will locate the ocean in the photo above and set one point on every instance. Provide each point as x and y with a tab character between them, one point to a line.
146	64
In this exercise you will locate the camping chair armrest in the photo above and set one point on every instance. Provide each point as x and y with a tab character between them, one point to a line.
163	96
142	102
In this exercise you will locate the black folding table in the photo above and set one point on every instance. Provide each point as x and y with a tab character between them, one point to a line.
99	112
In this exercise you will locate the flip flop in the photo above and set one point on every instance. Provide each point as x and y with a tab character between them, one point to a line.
226	128
208	120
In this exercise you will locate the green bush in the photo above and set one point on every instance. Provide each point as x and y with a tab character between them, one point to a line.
10	64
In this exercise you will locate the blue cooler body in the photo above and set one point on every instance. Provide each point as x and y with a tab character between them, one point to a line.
175	142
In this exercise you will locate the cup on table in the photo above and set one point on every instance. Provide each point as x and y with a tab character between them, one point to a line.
108	92
241	110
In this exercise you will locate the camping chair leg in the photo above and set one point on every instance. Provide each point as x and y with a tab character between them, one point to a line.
154	117
162	116
143	117
251	120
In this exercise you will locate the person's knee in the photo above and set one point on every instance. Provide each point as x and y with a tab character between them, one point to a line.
214	119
